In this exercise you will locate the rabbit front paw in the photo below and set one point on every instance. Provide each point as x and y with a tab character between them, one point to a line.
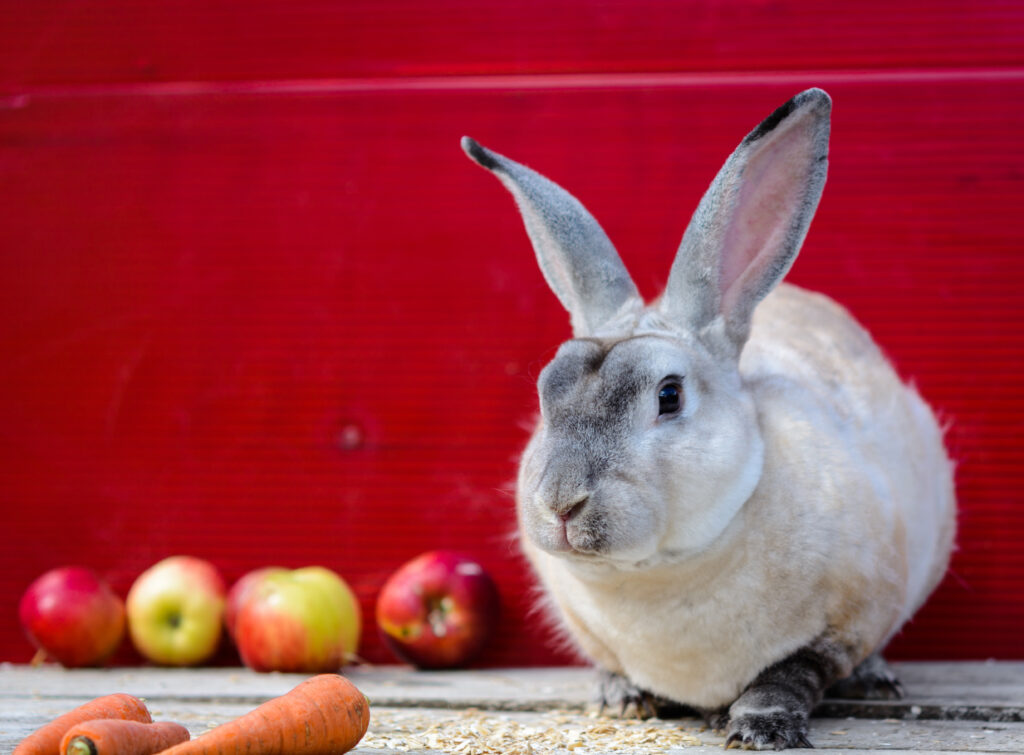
769	729
772	712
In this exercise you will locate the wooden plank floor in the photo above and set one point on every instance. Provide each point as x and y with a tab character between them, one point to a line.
950	707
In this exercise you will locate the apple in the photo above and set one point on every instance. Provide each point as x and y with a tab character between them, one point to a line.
303	620
73	615
239	593
438	610
175	610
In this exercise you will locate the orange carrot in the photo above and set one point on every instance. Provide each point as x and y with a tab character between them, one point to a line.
115	736
46	740
324	714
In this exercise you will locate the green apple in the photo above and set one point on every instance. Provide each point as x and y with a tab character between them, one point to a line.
175	611
301	620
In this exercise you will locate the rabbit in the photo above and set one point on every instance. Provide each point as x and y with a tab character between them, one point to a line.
731	500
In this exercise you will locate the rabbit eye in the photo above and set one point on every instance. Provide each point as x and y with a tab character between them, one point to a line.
670	397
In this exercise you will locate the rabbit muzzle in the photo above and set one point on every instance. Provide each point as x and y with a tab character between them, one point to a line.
576	501
562	512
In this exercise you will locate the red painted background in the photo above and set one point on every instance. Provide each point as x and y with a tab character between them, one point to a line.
256	306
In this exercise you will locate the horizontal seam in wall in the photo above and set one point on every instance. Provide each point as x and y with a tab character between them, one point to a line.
14	96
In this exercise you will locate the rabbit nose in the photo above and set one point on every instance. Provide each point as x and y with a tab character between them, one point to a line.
569	511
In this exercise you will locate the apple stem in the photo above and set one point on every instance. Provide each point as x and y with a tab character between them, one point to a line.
439	610
81	746
38	658
436	619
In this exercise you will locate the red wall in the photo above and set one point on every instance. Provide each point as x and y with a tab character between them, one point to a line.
229	241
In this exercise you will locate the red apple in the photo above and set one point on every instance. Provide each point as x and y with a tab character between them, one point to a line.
175	611
239	593
303	620
73	615
438	610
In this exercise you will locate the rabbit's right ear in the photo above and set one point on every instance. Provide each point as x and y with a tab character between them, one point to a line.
578	260
750	224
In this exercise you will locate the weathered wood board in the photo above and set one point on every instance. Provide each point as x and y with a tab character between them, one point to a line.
950	707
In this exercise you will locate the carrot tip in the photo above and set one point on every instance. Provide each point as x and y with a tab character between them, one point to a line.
81	746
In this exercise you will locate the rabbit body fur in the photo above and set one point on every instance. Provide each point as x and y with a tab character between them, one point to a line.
835	541
731	499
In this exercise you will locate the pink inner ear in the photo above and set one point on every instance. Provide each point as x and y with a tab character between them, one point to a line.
771	190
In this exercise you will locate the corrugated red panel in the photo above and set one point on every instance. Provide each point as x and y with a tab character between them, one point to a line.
69	41
208	290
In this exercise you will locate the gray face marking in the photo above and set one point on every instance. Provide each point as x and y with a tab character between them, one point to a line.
585	388
599	400
588	398
574	360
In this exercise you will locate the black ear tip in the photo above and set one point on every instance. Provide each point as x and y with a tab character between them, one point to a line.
811	99
478	154
768	124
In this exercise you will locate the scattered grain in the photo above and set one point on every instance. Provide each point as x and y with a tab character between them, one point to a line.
478	733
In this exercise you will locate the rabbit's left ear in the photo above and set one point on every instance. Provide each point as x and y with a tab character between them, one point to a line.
750	224
576	256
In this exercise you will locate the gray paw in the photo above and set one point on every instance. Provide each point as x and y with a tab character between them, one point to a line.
619	695
773	729
716	718
873	679
622	697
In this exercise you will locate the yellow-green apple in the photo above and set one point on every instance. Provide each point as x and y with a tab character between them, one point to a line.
438	610
304	620
73	615
175	610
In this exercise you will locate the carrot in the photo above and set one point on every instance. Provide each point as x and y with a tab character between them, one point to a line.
46	739
324	714
115	736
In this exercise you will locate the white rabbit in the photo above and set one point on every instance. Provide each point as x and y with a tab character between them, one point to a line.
731	499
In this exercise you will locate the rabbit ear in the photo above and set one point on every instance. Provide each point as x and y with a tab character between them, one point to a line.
577	258
750	224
